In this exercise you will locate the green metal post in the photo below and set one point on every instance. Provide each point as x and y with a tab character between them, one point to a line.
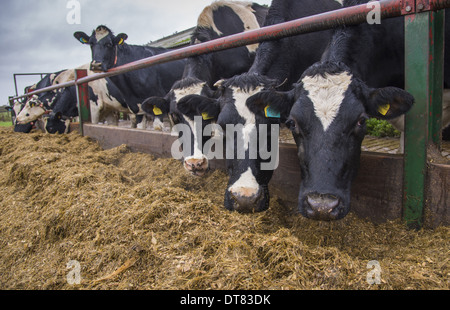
84	111
424	52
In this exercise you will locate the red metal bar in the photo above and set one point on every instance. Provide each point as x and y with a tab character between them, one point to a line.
343	17
84	112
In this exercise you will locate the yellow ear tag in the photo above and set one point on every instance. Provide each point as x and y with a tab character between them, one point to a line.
383	109
206	117
269	112
121	42
157	111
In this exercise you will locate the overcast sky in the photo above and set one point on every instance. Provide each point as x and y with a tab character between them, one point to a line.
37	37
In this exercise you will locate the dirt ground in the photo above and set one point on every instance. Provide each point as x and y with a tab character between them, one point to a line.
71	212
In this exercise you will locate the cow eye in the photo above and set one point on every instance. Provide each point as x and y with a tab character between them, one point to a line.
174	118
290	124
362	120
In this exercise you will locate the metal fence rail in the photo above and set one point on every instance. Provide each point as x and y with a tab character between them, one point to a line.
424	28
342	17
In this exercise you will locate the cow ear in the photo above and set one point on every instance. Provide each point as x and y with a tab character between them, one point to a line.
193	105
388	102
81	37
156	106
272	104
57	115
120	38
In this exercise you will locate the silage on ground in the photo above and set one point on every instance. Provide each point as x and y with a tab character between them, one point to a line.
133	221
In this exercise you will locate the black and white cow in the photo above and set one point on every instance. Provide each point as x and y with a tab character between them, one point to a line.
109	51
278	65
37	105
220	19
61	104
360	75
105	102
15	109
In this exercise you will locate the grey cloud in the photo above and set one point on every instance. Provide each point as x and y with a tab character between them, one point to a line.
37	38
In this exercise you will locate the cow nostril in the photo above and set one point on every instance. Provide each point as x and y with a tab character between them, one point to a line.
327	203
322	206
27	114
196	166
247	200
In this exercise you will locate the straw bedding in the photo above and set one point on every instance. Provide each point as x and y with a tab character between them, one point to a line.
133	221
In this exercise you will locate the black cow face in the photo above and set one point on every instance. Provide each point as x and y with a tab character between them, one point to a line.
248	135
104	47
57	123
191	103
328	123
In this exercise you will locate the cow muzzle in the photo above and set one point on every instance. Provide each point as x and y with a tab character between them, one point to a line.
322	207
97	66
248	200
195	166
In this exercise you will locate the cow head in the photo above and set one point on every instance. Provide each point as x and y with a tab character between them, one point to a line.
104	47
328	121
37	105
15	109
248	134
31	111
187	99
57	123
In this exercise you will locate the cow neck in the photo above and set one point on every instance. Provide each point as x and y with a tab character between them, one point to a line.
123	55
67	102
200	67
340	50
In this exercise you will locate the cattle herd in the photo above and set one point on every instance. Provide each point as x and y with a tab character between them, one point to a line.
323	86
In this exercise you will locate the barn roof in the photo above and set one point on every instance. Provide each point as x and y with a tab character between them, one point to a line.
176	40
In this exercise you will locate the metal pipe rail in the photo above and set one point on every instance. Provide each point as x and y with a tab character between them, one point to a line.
343	17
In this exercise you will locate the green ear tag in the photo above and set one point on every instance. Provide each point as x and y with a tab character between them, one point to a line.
206	117
383	109
157	111
271	113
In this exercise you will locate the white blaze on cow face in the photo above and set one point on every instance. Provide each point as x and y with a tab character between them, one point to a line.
246	185
100	33
326	94
195	89
240	98
198	152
